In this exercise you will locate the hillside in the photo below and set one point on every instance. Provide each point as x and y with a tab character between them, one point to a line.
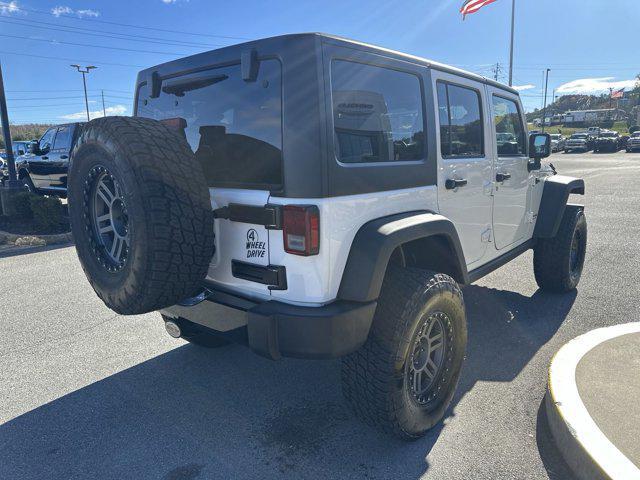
28	131
565	103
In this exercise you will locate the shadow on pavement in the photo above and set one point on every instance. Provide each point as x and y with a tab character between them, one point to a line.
226	413
553	462
7	251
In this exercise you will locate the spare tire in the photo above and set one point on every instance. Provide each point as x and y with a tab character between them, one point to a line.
140	213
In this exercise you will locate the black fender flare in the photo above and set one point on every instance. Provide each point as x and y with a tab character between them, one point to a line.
376	240
554	202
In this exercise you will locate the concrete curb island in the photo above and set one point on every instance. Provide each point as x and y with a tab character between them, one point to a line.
588	450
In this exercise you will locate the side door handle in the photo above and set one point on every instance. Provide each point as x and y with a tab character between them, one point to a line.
452	184
45	158
64	157
501	177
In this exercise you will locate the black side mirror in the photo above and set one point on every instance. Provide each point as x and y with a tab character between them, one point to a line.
539	148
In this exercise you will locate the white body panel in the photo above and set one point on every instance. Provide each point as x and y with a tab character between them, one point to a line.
511	197
468	207
231	241
316	279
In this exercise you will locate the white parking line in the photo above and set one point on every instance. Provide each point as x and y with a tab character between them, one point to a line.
565	397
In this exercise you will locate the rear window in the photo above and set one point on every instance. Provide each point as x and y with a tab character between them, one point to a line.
234	126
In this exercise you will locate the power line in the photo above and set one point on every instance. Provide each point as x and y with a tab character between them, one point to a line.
68	59
121	36
163	30
93	46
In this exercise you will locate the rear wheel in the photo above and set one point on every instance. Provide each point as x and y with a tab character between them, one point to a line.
403	378
558	261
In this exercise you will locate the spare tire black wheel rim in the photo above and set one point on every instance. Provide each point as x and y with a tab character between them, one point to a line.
428	356
108	219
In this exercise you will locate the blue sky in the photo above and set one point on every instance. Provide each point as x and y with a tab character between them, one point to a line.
589	45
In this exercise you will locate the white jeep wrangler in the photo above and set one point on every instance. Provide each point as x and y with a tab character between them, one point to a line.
315	197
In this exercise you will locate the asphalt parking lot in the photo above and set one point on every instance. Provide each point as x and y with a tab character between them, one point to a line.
85	393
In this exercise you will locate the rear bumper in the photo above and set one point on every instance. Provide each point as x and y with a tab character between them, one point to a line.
276	329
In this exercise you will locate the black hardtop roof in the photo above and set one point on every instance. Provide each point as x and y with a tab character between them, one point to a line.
334	39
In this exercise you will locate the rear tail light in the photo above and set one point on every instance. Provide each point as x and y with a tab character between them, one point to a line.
301	229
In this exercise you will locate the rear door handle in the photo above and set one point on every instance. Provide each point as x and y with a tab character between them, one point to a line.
45	158
452	184
501	177
64	157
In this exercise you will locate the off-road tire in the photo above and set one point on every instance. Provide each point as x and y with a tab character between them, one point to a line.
27	183
168	213
197	335
375	378
554	268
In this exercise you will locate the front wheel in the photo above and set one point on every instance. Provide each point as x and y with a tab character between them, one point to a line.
558	261
27	184
403	378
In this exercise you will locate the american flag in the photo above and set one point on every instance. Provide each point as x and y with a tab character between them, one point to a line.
472	6
617	93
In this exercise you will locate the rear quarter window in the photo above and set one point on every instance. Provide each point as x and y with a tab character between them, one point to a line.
233	126
377	114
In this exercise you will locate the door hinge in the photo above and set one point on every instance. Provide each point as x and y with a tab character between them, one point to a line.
486	236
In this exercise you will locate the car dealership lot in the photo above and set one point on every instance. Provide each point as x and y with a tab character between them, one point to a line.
85	393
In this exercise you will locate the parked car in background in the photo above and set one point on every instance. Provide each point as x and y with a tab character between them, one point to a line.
22	147
578	141
608	141
633	143
44	169
4	174
557	142
594	131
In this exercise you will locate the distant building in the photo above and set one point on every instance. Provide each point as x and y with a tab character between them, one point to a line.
593	116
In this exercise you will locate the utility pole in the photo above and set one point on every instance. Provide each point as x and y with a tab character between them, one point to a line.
84	83
544	108
513	23
11	187
104	110
496	71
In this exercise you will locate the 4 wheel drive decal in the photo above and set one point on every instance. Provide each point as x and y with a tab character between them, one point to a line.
255	248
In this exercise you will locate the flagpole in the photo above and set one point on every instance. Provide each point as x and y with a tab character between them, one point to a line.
513	11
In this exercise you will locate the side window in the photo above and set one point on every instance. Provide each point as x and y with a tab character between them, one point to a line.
47	140
63	138
510	137
460	117
377	114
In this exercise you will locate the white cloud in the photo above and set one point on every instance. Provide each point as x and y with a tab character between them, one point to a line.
523	87
64	10
594	85
8	8
87	13
115	110
170	2
61	10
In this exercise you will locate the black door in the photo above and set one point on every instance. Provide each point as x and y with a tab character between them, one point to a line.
59	157
39	162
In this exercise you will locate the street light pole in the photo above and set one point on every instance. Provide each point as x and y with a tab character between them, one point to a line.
11	187
544	108
513	22
84	83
